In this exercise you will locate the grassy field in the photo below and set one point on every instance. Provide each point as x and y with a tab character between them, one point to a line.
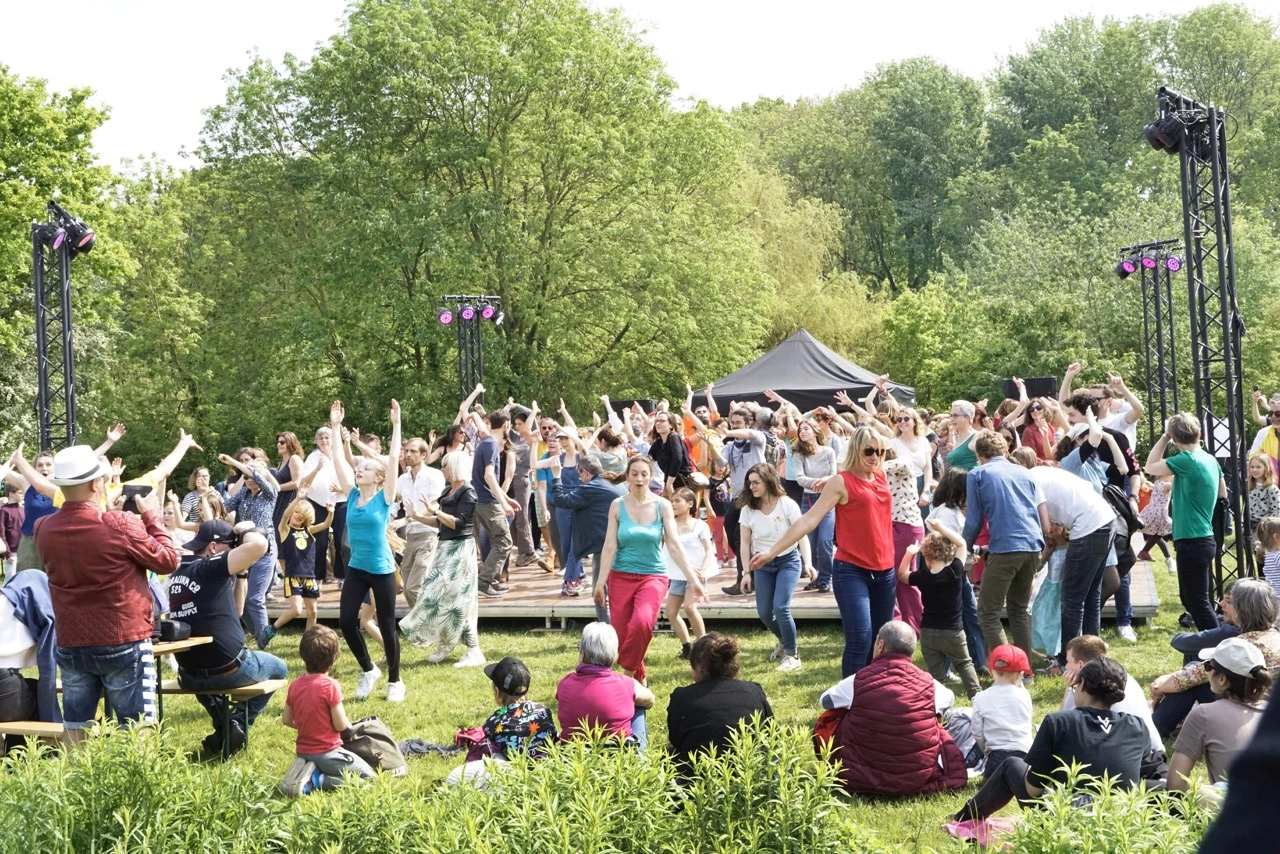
442	698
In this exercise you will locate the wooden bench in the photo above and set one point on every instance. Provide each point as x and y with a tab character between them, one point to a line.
247	692
39	729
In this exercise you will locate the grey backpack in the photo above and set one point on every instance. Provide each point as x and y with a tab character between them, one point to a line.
372	741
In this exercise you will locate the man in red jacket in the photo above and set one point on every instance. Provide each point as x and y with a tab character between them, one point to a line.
97	564
890	742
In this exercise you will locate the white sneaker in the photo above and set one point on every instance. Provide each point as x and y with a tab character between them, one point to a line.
1127	633
790	664
1173	565
473	657
439	655
776	655
368	679
395	692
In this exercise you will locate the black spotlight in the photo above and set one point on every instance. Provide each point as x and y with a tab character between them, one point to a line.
1126	268
1165	134
497	318
80	237
49	234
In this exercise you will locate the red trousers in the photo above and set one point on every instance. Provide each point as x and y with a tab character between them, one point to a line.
634	602
717	537
910	609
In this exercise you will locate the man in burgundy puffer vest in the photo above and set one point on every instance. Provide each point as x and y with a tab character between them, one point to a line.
890	742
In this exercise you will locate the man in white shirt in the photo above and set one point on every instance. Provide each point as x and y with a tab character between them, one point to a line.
419	485
1072	503
1119	409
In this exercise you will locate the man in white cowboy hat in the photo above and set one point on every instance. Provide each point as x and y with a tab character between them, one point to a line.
97	563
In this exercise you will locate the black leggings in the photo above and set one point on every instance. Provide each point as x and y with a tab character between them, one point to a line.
1005	783
357	583
1157	540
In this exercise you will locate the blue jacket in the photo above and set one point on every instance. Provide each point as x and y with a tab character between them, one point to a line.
28	595
1004	495
590	505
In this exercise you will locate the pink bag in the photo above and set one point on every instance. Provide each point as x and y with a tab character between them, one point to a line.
475	742
986	833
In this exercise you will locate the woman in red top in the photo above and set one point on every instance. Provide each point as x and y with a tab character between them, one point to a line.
862	573
1038	435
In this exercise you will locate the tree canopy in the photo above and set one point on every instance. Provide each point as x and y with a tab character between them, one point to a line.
948	230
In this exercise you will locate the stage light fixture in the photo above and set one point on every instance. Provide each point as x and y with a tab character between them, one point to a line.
445	317
1173	263
497	318
1165	134
487	310
1126	268
1149	260
50	234
468	313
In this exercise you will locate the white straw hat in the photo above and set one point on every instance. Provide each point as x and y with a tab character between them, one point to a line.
76	465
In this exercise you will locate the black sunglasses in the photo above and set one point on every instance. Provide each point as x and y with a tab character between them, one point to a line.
1037	408
873	452
1275	415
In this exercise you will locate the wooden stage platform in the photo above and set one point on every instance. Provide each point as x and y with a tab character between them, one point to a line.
535	594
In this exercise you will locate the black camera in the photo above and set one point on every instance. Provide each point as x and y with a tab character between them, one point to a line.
132	492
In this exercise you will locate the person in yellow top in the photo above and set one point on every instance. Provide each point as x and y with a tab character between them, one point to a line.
154	478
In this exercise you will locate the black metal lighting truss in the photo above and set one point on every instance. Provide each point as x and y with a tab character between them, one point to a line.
1158	335
55	363
470	344
1216	325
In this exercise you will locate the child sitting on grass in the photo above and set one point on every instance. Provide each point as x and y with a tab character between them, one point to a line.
314	709
1002	713
940	580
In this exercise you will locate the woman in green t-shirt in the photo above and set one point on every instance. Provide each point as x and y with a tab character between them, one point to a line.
1197	486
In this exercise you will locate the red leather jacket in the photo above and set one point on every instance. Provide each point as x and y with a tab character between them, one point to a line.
97	564
890	742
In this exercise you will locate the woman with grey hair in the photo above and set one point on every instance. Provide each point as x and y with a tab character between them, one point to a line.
596	697
961	456
1251	605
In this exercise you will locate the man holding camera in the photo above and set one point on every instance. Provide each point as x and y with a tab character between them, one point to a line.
97	563
201	595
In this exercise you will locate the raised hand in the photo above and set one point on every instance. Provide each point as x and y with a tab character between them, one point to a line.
395	411
116	433
1257	396
117	467
431	438
184	438
228	461
304	482
1074	369
843	399
336	412
913	549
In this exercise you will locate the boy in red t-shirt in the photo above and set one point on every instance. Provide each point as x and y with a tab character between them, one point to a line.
314	709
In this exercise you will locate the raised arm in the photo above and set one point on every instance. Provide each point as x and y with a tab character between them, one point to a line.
341	467
1117	385
115	434
1257	415
39	482
393	456
465	406
169	463
1073	370
908	561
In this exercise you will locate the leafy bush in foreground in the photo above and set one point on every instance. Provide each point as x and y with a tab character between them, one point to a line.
136	792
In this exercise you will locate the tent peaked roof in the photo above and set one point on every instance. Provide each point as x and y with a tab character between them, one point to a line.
805	371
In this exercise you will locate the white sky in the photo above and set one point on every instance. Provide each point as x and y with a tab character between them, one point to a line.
158	63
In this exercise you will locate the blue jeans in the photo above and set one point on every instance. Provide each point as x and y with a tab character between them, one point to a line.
640	729
261	575
972	628
254	667
821	546
775	584
126	672
573	570
865	598
1125	559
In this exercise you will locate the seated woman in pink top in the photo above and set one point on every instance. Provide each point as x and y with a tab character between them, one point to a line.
596	696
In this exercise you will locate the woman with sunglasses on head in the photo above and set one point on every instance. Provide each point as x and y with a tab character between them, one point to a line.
862	574
1267	440
1039	434
289	472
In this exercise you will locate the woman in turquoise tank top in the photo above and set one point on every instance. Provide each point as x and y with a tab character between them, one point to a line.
632	564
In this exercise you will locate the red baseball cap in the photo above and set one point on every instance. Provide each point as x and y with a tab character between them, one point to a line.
1008	658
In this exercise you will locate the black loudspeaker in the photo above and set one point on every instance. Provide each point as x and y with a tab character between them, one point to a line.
1036	387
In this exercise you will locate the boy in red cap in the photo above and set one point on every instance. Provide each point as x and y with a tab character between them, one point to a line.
1001	716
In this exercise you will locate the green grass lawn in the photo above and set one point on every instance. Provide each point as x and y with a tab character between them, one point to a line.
442	698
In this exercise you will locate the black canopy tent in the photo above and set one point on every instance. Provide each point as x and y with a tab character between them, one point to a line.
804	371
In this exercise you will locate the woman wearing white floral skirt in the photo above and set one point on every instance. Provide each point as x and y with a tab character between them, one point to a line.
446	612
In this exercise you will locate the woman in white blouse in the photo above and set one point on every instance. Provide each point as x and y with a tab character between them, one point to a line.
767	513
321	495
